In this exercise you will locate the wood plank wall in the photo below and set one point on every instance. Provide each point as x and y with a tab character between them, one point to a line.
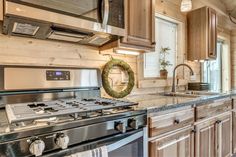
233	59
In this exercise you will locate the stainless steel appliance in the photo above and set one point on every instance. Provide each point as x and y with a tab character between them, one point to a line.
55	112
92	22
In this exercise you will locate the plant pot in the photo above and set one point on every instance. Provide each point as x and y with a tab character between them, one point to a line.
163	74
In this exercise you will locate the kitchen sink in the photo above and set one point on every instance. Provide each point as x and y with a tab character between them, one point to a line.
191	94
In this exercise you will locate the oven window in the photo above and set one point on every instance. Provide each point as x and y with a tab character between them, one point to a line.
85	9
133	149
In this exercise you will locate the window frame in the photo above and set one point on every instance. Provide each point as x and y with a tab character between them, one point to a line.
221	66
180	48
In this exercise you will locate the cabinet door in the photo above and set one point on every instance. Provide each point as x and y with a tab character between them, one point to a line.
1	10
212	30
140	23
224	136
205	139
234	132
179	144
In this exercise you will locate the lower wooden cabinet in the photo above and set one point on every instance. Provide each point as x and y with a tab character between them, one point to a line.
224	135
234	132
205	139
178	144
213	137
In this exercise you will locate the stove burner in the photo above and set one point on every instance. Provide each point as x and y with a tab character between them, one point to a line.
50	109
88	100
37	105
103	103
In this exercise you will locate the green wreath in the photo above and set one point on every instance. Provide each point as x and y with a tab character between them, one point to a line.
105	80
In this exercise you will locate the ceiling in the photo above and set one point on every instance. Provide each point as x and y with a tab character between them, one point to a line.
230	6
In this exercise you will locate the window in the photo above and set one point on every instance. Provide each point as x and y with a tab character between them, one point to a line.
212	70
166	36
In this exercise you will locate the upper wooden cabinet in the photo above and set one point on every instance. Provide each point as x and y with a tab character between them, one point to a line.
1	10
202	34
140	23
139	26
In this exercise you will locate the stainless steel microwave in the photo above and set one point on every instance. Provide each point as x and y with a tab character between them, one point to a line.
87	16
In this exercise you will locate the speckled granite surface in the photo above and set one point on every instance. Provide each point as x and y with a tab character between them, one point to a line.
157	102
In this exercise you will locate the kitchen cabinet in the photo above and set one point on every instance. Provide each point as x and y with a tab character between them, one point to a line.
159	124
205	139
1	10
178	144
234	126
224	135
202	34
139	26
213	137
208	131
234	132
214	129
213	108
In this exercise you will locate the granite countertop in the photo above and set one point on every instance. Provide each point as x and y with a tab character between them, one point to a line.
158	102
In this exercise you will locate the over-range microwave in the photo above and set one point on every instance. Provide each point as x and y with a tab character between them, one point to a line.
93	22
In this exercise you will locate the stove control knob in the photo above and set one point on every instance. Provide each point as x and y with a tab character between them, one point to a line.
37	147
120	126
62	140
133	123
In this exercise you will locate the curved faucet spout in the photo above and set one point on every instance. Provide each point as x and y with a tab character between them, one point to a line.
173	83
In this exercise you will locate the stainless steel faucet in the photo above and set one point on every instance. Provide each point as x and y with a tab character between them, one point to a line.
173	83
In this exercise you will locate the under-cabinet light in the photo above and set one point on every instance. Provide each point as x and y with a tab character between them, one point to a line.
186	5
127	52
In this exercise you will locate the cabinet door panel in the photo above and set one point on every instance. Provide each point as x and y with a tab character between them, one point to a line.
141	23
234	132
205	140
212	33
224	135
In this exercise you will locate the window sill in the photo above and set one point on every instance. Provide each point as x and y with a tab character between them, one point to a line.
158	82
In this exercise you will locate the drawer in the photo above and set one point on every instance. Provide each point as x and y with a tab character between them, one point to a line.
213	108
169	122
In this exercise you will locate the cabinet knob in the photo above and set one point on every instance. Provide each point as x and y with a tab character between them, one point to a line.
176	121
218	121
154	43
194	131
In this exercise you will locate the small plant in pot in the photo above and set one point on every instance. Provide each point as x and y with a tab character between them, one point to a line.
164	63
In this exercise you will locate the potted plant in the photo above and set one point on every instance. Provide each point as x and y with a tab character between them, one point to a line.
164	63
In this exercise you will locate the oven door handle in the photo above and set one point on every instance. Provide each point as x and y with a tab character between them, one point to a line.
106	14
124	141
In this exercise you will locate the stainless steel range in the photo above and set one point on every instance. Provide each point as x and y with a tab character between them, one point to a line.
59	112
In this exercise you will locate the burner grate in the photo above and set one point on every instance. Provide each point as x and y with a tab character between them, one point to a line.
74	107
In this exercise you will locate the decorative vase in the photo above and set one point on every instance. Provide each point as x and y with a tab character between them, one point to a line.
163	74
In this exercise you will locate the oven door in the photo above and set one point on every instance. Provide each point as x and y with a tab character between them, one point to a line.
95	15
132	144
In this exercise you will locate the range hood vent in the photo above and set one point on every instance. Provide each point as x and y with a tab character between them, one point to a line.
58	33
25	29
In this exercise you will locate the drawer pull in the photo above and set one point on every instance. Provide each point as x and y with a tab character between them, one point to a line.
218	121
176	121
194	131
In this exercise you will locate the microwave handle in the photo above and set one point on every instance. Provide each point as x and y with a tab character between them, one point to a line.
124	141
106	14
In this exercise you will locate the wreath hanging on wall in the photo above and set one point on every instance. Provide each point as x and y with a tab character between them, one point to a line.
105	79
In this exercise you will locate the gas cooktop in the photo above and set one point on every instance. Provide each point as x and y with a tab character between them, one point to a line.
75	108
